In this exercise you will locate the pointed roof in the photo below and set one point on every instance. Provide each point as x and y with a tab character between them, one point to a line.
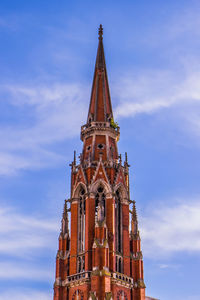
100	109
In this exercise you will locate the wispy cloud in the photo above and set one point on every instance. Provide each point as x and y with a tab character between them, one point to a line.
54	113
22	234
169	266
16	271
25	295
167	230
154	90
176	82
25	241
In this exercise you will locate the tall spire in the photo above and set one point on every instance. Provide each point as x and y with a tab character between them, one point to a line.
101	258
100	109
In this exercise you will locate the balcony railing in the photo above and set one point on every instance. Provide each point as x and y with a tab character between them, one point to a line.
78	276
122	277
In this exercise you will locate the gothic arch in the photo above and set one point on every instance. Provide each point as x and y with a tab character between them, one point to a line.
81	199
122	190
119	225
78	188
101	182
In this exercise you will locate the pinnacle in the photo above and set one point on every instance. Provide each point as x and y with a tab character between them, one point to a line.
134	221
65	220
134	214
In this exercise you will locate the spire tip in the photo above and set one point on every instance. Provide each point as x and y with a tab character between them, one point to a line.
100	32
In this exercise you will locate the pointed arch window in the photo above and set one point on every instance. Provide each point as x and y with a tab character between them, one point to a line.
118	222
81	221
68	264
100	199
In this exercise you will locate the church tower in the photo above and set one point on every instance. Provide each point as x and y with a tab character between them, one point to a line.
100	256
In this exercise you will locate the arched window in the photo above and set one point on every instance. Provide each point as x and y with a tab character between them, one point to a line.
100	200
120	265
118	222
68	264
81	221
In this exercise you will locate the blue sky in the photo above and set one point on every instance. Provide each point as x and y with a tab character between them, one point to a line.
47	56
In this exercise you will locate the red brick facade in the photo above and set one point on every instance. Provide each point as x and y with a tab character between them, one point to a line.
101	257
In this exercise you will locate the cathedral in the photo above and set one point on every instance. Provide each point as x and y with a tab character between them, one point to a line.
99	256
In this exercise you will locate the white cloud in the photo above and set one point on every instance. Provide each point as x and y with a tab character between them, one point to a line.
57	110
169	266
25	295
169	230
177	82
35	158
24	241
19	270
156	90
22	234
55	114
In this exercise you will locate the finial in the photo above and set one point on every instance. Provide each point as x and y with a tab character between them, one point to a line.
126	158
64	226
74	157
134	220
100	32
134	215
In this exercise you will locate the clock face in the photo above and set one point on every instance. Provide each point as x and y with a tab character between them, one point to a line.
78	295
121	295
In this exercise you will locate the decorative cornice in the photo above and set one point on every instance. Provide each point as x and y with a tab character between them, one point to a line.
135	236
137	256
108	296
102	272
140	284
99	128
98	244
